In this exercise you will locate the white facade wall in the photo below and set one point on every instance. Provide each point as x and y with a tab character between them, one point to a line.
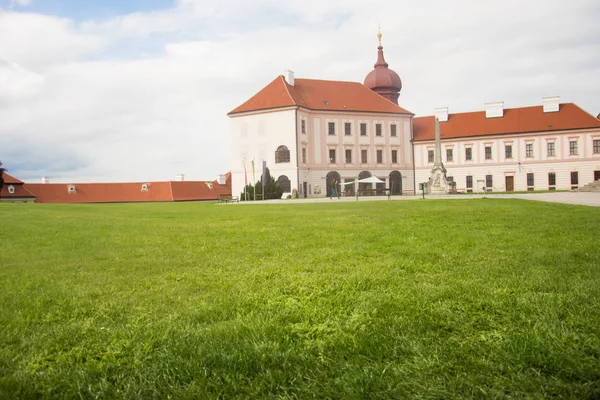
256	137
540	163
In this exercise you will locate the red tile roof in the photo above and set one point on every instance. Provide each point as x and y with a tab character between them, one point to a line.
515	120
128	192
319	95
10	179
19	190
223	190
100	192
190	191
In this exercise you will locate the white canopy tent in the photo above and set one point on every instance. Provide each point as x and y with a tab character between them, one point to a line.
371	179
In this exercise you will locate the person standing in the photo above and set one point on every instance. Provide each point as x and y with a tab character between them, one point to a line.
334	191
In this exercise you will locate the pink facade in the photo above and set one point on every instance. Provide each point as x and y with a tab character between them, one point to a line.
569	155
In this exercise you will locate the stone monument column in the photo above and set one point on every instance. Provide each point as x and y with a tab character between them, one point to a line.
438	183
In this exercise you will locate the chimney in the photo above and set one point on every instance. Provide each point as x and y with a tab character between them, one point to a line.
289	77
441	114
222	179
45	179
494	110
179	177
551	104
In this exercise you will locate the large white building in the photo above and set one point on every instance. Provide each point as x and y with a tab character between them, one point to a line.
315	133
552	146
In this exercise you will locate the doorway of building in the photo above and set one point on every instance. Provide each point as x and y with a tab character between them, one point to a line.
596	175
395	182
509	183
305	189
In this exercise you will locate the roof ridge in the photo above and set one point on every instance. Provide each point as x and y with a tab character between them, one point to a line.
582	110
327	80
287	90
386	99
507	109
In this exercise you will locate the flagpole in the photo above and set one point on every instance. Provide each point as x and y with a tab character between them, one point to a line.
254	179
245	180
264	178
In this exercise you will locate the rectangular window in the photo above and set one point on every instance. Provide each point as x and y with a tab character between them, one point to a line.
551	179
573	147
363	129
392	130
303	125
449	155
363	156
508	151
469	182
348	156
332	156
574	178
348	128
331	128
430	156
488	152
551	152
488	182
379	156
529	150
304	155
596	146
394	156
468	154
530	181
377	129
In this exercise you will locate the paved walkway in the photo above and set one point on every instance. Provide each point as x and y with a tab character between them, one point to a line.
579	198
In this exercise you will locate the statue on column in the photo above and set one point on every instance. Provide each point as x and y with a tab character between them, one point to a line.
438	183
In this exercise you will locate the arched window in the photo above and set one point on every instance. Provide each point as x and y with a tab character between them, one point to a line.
282	155
284	183
364	186
396	182
333	178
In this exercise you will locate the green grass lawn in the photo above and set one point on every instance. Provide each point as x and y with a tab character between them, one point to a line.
488	298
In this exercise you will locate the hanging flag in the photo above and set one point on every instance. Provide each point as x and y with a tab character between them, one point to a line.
245	173
252	166
264	176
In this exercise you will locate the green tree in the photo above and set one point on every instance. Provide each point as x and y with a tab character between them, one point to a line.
1	177
247	193
271	189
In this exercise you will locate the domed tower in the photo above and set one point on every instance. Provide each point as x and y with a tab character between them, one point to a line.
383	80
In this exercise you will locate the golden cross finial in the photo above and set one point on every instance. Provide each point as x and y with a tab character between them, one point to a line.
379	35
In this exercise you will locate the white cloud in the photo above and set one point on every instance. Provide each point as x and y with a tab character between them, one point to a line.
21	3
34	39
17	83
80	101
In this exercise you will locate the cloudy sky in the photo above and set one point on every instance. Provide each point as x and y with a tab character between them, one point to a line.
135	90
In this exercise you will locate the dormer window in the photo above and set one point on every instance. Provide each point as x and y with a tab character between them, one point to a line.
11	189
71	189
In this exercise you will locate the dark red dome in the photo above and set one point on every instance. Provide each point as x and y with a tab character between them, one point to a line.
383	80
